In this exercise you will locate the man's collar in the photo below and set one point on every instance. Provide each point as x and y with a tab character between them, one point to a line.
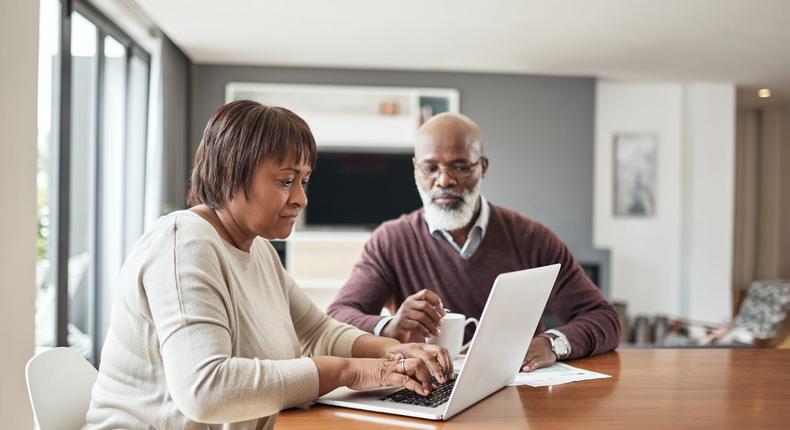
482	219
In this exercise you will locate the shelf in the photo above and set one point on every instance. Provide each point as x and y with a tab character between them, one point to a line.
329	235
320	284
354	117
360	130
324	255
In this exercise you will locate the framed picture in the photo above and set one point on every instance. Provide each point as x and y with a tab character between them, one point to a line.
635	174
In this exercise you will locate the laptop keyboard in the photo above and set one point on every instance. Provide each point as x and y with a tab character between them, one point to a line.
438	396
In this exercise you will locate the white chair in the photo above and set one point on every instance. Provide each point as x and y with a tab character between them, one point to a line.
59	382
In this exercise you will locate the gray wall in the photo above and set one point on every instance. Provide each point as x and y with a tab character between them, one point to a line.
176	157
537	131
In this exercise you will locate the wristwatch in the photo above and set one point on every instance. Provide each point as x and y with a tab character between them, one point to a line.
559	344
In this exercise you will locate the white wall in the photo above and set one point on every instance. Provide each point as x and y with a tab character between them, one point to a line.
645	270
679	261
18	51
709	202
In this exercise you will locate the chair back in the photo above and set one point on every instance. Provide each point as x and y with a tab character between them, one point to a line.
59	383
764	308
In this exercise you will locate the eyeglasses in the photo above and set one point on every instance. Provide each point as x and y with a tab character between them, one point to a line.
457	170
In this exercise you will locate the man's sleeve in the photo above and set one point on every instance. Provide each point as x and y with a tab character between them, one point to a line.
361	299
590	322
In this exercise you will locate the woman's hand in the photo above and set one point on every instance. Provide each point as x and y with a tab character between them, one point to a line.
436	358
397	371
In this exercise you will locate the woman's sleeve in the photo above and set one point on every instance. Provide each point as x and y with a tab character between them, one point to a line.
189	303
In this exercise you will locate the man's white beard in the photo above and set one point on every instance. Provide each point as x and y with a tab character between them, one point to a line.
445	217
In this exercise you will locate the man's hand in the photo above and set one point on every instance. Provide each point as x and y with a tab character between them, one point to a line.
539	354
436	357
420	314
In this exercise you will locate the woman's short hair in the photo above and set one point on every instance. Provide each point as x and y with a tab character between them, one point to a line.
238	138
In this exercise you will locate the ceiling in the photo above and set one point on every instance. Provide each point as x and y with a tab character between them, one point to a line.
741	41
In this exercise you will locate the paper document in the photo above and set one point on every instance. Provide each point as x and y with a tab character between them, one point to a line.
556	374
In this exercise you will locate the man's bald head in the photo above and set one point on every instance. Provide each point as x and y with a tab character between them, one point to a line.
446	131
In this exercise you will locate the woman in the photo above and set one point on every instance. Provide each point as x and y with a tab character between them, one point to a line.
207	327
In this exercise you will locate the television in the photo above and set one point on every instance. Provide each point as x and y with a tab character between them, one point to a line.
360	189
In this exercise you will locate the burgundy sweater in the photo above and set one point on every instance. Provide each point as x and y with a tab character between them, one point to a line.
402	258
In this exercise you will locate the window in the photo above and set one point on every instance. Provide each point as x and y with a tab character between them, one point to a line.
91	170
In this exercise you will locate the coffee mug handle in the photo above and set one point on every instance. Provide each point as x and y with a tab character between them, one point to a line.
468	320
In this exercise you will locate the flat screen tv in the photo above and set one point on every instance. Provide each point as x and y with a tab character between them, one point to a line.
354	189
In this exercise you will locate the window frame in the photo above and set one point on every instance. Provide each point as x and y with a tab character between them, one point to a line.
60	194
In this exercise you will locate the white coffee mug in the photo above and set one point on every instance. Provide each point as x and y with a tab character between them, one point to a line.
452	333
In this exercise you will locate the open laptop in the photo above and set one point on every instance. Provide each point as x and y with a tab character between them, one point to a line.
509	320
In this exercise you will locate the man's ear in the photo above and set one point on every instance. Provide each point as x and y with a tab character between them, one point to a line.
484	163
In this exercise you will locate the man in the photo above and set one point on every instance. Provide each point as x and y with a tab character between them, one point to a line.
447	255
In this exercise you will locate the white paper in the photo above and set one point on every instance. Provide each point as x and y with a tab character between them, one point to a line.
556	374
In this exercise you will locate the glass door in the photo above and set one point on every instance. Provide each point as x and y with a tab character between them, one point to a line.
92	174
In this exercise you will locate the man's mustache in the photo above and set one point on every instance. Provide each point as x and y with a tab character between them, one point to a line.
446	193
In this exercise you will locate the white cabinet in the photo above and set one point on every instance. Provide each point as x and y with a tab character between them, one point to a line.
348	119
354	117
321	261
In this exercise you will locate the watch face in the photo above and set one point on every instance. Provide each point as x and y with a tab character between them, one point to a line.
560	347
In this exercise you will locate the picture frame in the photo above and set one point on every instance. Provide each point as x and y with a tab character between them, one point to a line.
635	174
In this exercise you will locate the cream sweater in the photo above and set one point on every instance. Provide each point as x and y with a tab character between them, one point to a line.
204	335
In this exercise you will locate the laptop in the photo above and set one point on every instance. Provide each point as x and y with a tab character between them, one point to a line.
510	317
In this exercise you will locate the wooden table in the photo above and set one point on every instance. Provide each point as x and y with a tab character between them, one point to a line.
670	389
